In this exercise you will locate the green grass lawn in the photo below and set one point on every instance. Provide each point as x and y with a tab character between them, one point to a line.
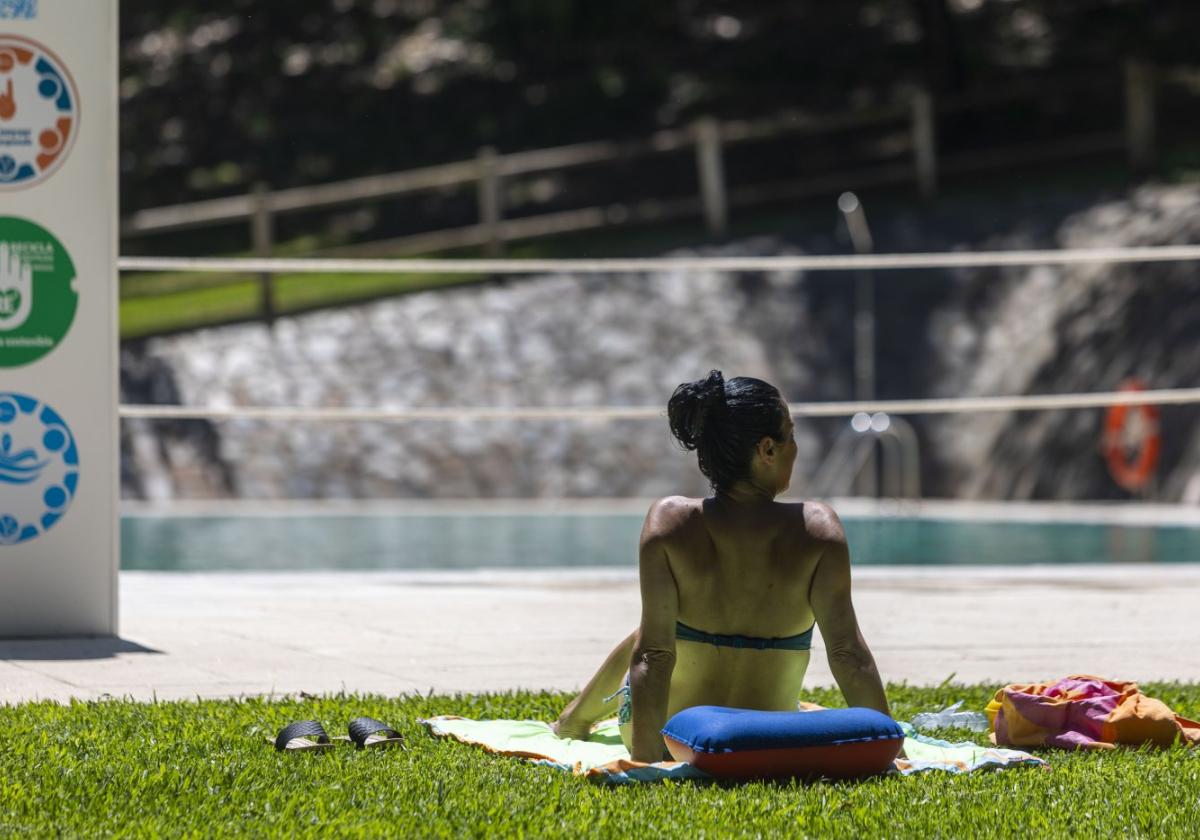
154	303
117	768
164	303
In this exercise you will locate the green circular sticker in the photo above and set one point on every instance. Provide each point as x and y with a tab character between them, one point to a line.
37	303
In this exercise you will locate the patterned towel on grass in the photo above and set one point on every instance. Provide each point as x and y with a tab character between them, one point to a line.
925	753
604	758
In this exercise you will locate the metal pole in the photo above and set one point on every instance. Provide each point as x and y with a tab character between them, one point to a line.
911	447
864	321
712	175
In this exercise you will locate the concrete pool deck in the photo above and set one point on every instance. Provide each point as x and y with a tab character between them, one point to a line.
228	635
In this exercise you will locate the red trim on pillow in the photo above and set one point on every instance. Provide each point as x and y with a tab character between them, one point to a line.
835	761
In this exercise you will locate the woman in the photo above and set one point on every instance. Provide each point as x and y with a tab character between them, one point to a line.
732	585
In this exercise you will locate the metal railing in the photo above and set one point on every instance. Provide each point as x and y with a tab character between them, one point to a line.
850	459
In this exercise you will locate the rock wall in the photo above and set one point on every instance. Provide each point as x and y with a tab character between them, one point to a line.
629	340
1065	329
598	341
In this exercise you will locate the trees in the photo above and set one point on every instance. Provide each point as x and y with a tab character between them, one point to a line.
217	96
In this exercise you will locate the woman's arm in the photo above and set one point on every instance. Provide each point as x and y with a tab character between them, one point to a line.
850	659
595	700
654	652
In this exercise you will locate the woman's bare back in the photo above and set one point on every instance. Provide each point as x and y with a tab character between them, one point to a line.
740	573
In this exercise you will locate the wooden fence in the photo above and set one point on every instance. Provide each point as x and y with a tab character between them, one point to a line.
708	138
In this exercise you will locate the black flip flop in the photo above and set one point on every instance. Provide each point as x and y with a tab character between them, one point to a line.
368	732
303	736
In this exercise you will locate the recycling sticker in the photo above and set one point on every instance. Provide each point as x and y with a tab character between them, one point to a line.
37	298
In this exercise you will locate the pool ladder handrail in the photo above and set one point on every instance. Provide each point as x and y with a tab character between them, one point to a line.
900	452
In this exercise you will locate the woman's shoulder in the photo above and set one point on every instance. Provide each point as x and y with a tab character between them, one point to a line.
670	515
816	521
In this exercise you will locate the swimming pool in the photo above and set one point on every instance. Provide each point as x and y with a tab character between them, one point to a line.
470	540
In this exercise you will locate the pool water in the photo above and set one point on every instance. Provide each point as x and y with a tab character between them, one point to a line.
488	541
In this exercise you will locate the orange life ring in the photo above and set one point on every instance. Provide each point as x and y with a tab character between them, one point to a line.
1132	441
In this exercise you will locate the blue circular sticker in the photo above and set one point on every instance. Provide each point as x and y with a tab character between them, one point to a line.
39	468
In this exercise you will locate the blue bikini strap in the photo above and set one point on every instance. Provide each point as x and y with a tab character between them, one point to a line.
801	641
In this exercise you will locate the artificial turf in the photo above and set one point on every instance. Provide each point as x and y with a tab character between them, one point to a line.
117	768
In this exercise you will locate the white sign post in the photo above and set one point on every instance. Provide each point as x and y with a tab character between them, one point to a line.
58	318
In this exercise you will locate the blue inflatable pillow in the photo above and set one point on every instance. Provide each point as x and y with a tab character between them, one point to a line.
746	744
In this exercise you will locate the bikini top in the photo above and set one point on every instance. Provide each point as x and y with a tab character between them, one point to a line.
801	641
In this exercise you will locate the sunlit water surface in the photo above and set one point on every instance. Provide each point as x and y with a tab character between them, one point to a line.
544	541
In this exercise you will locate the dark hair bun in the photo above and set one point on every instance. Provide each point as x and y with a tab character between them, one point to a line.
692	406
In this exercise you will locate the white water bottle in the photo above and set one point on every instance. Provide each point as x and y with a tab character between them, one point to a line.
951	718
